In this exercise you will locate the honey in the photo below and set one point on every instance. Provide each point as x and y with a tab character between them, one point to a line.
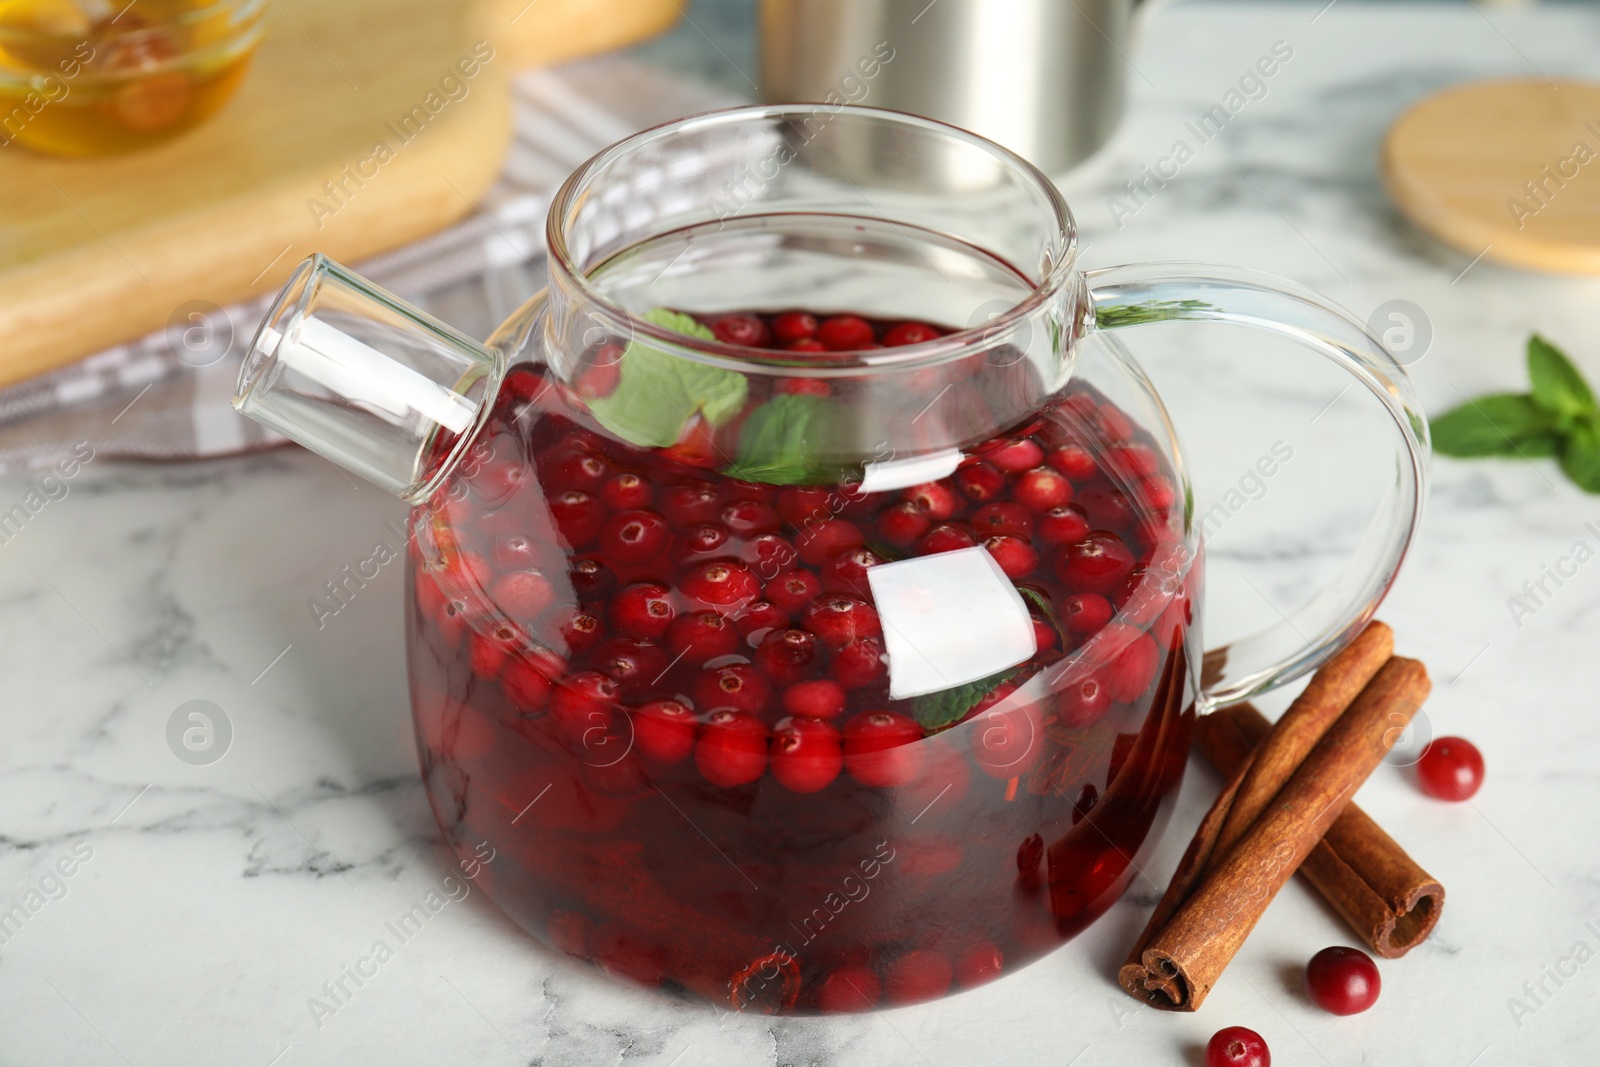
102	77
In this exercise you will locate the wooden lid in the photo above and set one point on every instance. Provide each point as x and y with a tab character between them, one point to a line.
1506	169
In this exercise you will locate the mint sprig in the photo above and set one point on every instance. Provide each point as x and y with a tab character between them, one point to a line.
782	441
658	394
1559	417
938	711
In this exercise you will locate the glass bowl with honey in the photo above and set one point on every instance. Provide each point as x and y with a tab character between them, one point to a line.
104	77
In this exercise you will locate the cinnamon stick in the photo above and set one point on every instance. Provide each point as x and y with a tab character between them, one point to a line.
1254	783
1182	959
1358	868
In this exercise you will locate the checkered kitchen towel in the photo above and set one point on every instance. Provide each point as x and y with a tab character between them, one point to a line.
142	401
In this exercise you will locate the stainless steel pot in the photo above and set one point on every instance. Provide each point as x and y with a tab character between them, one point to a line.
1045	78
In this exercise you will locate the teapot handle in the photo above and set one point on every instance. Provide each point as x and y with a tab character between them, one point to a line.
1136	294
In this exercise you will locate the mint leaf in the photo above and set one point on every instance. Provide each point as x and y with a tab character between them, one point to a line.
1111	318
1580	457
1501	424
1558	386
781	442
938	711
658	393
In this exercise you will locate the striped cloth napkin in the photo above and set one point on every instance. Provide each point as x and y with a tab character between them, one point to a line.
147	399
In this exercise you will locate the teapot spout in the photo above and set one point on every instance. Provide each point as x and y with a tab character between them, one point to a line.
364	379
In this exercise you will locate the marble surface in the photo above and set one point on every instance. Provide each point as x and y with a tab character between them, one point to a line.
207	904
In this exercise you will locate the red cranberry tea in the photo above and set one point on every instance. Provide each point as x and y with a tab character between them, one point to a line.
669	696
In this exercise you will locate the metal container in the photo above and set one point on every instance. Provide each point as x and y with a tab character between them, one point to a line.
1045	78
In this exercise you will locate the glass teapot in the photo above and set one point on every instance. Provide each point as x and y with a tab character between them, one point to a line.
801	615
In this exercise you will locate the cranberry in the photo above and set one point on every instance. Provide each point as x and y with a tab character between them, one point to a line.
579	630
1003	517
631	662
945	537
1450	768
626	492
757	617
1106	507
818	544
1063	525
1235	1046
918	975
850	987
573	469
806	344
1114	424
935	499
1041	489
591	578
732	749
490	648
1100	563
1076	463
634	536
1015	456
1085	613
524	685
523	594
805	755
686	505
846	572
801	387
1132	461
839	619
793	590
702	543
786	655
701	636
1044	634
980	963
859	664
1343	981
909	333
1083	702
881	748
902	524
643	609
845	333
748	518
745	330
722	585
516	552
581	702
820	698
1008	735
1014	555
663	730
979	482
735	687
794	326
804	503
1157	494
771	553
468	570
1135	667
578	516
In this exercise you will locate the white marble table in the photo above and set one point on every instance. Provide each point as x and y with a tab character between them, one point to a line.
207	904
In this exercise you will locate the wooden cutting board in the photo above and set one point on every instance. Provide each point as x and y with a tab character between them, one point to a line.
1508	170
93	252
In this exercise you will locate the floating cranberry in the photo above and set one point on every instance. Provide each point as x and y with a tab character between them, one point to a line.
591	579
1014	555
1083	702
909	333
859	664
1114	424
634	536
1003	517
849	987
979	963
794	326
1132	461
881	748
523	594
702	543
1450	768
917	976
805	756
1100	563
626	492
722	585
980	482
1041	489
749	518
745	330
756	618
643	609
1236	1046
771	553
516	552
578	516
839	619
1044	634
686	505
935	499
845	333
945	537
663	731
524	685
1343	981
573	469
491	646
1135	667
805	344
734	687
1108	508
803	504
818	544
846	572
801	387
467	571
820	698
793	590
732	749
1063	525
1008	736
1157	494
1075	462
631	662
902	524
580	630
701	636
1085	613
583	701
786	655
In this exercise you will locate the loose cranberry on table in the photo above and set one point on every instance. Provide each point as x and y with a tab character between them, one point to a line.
1450	768
1237	1046
1343	981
